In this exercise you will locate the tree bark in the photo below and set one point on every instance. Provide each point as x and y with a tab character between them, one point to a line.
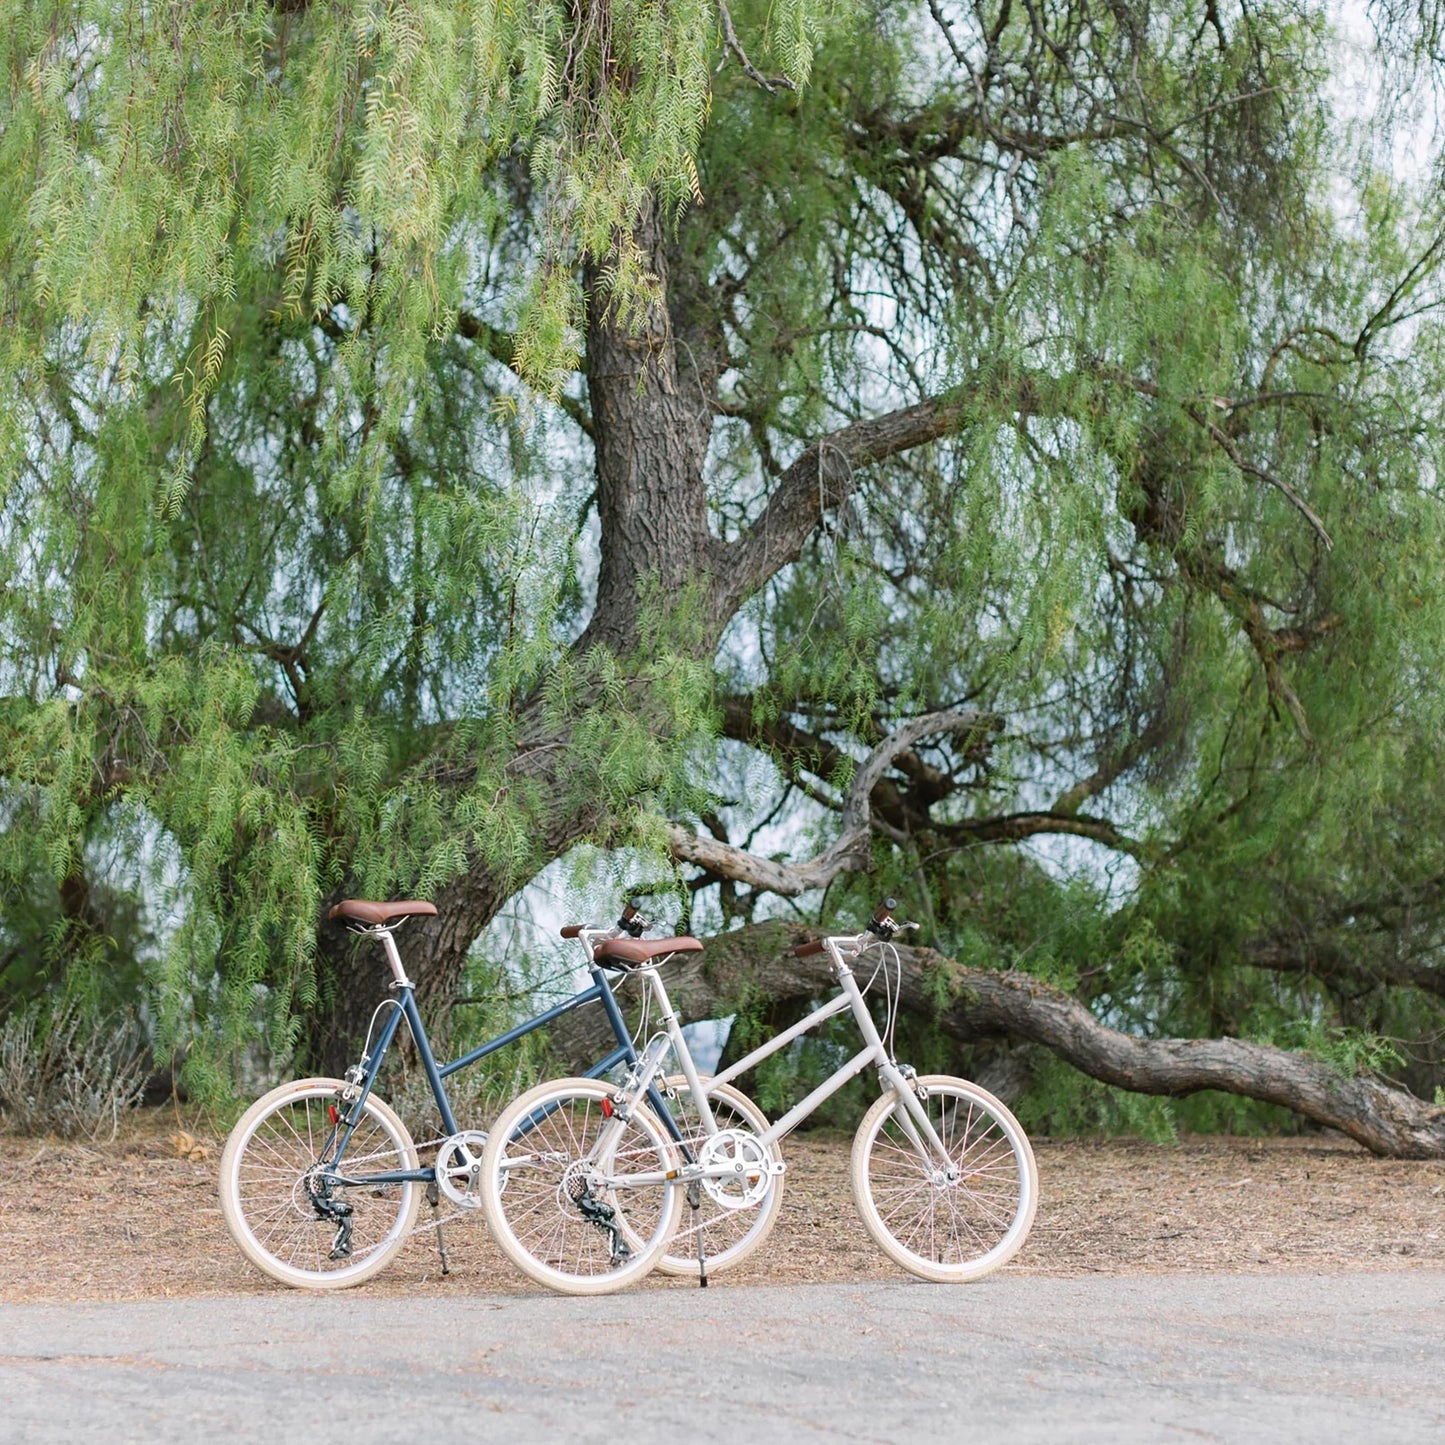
652	417
972	1004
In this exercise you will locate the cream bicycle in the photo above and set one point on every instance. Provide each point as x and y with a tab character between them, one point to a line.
942	1173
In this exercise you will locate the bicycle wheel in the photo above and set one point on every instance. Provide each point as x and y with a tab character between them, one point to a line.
294	1222
574	1193
946	1223
731	1227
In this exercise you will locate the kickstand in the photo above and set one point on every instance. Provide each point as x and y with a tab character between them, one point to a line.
433	1197
694	1198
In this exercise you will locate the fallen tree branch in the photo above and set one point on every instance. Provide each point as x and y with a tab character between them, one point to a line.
981	1004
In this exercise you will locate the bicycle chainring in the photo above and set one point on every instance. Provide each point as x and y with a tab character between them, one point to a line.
459	1168
749	1161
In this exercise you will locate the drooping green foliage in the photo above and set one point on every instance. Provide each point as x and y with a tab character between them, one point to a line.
272	548
302	509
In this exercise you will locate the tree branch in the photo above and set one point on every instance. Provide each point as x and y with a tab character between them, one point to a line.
801	751
730	35
822	479
981	1003
1015	827
849	852
1328	960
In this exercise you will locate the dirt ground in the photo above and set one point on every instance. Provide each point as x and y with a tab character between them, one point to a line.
139	1218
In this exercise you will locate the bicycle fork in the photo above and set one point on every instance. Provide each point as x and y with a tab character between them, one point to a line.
913	1118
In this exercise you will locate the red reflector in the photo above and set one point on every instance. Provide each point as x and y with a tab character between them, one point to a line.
607	1108
335	1117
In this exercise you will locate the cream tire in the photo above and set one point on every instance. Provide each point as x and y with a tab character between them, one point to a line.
264	1199
955	1230
533	1204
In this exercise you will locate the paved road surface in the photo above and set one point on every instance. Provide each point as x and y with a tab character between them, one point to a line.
1241	1358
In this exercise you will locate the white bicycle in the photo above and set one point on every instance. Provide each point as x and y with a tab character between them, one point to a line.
582	1185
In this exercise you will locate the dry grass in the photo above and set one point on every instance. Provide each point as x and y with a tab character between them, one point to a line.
139	1218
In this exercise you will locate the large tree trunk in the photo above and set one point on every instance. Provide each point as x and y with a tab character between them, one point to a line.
651	422
652	418
983	1004
653	391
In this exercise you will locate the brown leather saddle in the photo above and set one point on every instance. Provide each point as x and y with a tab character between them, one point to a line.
631	952
380	914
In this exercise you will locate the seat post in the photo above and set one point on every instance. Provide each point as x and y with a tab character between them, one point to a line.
393	958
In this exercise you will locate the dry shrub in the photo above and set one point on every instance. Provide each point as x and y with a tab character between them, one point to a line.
70	1074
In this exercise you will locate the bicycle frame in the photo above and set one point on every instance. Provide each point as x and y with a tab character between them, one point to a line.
873	1054
405	1007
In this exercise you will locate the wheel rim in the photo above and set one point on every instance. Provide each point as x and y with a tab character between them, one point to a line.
960	1216
277	1175
567	1206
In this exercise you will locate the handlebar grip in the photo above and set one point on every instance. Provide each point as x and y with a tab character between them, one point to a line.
629	911
807	950
572	930
884	911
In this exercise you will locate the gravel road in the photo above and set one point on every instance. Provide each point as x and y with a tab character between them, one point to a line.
1238	1358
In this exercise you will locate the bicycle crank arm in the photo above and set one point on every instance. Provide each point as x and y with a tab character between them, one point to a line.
730	1169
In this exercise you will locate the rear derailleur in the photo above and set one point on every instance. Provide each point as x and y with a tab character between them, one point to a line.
338	1211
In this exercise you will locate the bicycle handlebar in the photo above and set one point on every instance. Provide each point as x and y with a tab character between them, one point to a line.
631	922
882	924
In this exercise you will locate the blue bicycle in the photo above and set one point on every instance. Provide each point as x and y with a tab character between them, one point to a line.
321	1181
